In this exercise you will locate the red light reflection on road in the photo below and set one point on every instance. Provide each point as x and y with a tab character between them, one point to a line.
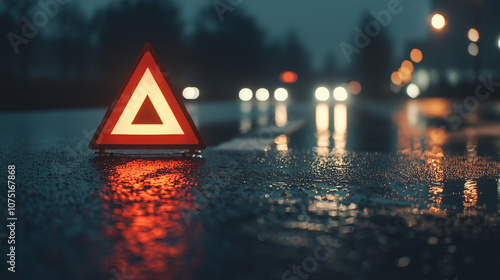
144	199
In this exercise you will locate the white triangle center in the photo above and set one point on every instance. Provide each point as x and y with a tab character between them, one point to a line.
147	87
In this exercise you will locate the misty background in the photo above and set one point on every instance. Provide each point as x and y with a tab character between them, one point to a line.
82	51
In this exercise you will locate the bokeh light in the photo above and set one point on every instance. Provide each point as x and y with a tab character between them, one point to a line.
246	94
473	49
473	35
395	88
191	93
395	79
322	118
340	125
453	76
438	21
354	87
144	204
405	74
288	77
322	94
281	94
413	90
499	42
281	142
322	129
262	94
416	55
340	94
281	115
422	79
408	65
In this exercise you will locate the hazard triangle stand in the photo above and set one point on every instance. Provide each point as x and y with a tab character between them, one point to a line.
147	112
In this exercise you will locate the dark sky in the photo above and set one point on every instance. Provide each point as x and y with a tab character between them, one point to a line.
321	24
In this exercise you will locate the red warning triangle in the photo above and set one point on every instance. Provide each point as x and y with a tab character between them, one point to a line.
147	113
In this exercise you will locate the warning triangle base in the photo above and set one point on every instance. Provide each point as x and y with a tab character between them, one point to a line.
150	153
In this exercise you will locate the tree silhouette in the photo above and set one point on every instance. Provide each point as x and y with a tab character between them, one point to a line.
229	54
125	27
294	57
11	17
74	42
373	66
327	75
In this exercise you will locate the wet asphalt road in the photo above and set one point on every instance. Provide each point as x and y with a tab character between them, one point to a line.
322	191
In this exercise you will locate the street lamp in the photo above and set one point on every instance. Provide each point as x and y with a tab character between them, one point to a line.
438	21
473	35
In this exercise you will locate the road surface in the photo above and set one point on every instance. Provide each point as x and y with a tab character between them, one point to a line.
361	190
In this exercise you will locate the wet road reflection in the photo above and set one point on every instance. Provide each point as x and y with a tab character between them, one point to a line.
385	176
263	118
147	205
498	195
340	125
322	130
389	191
246	118
281	119
323	125
281	115
434	180
470	196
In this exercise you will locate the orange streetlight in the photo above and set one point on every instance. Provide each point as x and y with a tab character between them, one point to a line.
416	55
438	21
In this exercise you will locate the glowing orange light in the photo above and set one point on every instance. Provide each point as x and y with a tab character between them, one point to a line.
396	79
281	142
434	107
416	55
145	203
288	77
354	87
470	196
407	65
473	35
407	78
438	21
149	113
405	75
